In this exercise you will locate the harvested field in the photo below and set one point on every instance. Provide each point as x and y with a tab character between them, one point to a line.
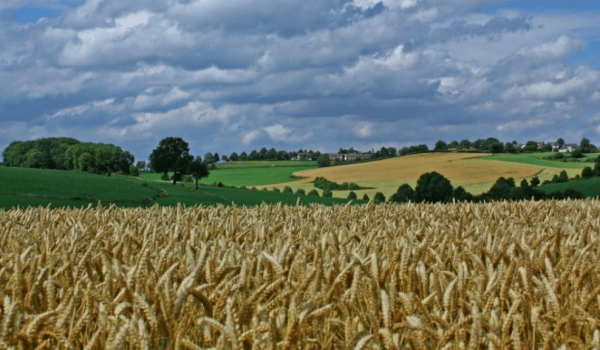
462	169
409	168
497	275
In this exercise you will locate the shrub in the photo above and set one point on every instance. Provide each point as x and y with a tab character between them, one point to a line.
563	177
243	188
352	186
264	189
300	192
254	189
276	189
327	193
587	172
313	192
164	177
145	184
577	154
220	184
352	195
405	193
366	197
535	181
379	197
558	155
288	189
134	171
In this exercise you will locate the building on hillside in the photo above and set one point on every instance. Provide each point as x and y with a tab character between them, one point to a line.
301	156
568	147
348	157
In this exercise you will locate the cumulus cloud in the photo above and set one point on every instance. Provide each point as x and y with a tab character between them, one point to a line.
290	74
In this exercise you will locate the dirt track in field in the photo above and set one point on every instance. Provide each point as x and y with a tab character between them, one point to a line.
453	166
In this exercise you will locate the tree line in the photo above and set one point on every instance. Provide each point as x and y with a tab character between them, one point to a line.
435	188
263	154
63	153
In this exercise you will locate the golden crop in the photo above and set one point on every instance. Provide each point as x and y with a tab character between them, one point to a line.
501	275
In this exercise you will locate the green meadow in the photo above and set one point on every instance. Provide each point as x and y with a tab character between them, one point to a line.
267	164
537	159
36	187
589	187
242	176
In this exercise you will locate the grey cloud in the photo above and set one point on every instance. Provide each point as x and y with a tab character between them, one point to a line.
493	29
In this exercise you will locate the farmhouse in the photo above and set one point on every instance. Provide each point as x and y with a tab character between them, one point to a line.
568	147
348	156
301	156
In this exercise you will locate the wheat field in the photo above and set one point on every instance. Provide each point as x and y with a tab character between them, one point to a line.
522	275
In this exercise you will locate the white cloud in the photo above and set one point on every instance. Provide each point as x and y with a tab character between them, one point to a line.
250	136
520	125
295	74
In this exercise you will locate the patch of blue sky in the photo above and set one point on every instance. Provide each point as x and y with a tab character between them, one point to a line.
530	6
28	14
34	14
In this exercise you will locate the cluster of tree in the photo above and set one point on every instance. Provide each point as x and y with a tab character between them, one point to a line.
173	154
67	154
413	149
493	145
435	188
386	152
264	154
326	185
588	172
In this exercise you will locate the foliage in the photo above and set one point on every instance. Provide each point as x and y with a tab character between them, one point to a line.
66	154
440	146
352	195
313	192
327	193
324	184
432	188
198	169
300	192
404	194
379	197
133	171
366	197
172	154
323	161
578	153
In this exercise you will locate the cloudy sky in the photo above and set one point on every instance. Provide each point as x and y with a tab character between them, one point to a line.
235	75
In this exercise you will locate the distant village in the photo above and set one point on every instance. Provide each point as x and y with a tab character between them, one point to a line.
353	155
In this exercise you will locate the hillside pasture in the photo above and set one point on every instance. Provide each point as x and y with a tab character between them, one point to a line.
242	176
537	159
266	164
23	187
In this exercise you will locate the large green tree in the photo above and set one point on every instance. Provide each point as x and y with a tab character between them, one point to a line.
198	169
172	153
323	161
433	187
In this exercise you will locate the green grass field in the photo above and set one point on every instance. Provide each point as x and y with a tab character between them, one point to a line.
589	187
536	159
242	176
34	187
266	164
21	185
